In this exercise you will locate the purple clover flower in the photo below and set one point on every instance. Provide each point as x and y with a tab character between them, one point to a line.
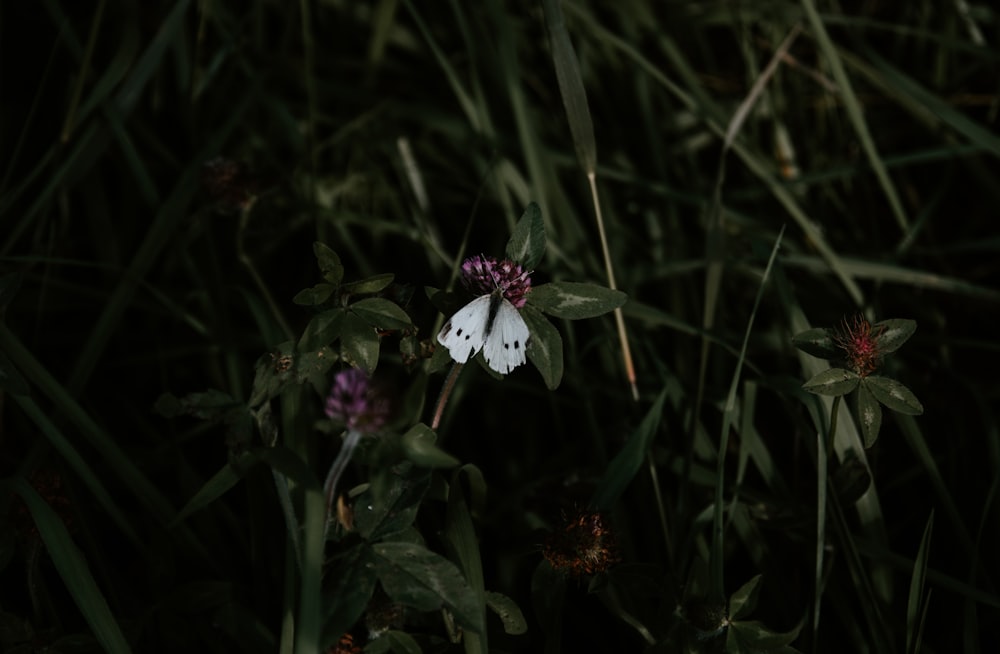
483	275
354	402
859	339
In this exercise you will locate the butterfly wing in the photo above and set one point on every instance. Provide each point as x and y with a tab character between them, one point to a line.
507	339
465	332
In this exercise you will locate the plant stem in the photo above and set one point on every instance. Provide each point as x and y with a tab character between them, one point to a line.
824	453
449	386
337	469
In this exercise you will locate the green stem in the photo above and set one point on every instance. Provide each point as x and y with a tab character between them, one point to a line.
824	454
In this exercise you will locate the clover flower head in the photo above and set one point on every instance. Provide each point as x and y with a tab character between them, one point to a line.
345	645
860	343
482	275
229	183
584	544
354	402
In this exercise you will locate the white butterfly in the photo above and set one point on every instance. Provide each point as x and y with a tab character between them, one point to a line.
489	323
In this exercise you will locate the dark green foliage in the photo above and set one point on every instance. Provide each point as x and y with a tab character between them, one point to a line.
211	210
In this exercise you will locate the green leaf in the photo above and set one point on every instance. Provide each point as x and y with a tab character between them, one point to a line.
527	243
398	642
893	333
313	366
206	406
754	636
851	479
894	395
213	489
382	313
743	602
462	545
370	285
835	381
318	294
914	614
869	414
73	569
10	379
508	612
546	350
359	343
419	446
631	592
475	483
573	300
441	358
626	464
817	342
211	405
329	264
377	515
415	576
571	89
322	330
354	576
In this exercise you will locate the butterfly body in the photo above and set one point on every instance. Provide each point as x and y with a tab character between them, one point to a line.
489	323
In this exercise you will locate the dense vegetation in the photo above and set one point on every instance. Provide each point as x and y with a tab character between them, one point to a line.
212	212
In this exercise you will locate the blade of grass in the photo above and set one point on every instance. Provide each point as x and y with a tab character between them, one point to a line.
574	97
715	223
473	47
915	439
168	217
917	602
463	548
878	626
581	128
728	418
74	102
824	449
919	101
855	113
73	569
755	163
893	273
539	168
464	100
626	464
147	493
78	464
940	580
